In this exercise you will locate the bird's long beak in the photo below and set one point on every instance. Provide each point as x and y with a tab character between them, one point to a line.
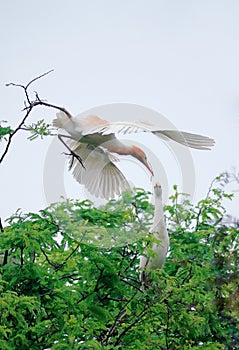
150	168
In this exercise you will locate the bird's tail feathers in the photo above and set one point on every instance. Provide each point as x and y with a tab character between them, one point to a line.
187	139
60	120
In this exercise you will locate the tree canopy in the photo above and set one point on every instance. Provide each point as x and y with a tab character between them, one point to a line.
70	277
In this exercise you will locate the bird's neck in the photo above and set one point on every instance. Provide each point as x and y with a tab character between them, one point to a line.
116	146
158	223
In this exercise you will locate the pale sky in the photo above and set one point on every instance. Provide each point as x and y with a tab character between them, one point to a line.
178	58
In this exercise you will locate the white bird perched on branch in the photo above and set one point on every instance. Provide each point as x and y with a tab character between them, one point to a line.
96	140
160	233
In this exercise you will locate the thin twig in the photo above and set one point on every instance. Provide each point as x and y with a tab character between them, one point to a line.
200	210
39	77
130	284
47	259
167	324
121	314
5	257
112	329
71	276
69	256
140	316
28	84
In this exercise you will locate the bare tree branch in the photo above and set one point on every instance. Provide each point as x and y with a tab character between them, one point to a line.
29	105
39	102
14	132
1	226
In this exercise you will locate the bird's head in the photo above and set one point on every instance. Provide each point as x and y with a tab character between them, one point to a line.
157	189
141	156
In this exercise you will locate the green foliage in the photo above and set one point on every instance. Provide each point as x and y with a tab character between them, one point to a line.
71	279
37	129
4	131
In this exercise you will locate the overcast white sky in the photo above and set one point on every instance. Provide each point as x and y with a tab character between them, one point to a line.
179	58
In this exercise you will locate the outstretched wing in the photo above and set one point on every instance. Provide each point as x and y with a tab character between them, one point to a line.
127	127
101	176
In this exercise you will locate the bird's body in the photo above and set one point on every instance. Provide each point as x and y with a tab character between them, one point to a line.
101	134
159	231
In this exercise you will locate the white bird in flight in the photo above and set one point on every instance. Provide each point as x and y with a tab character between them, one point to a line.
93	161
160	233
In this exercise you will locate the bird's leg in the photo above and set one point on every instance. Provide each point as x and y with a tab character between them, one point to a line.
72	153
